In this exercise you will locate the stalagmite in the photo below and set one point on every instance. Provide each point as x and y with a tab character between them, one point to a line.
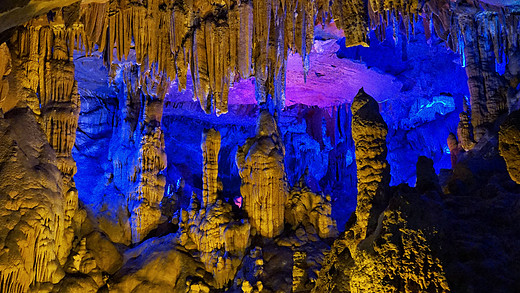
210	149
220	240
148	191
465	131
369	132
455	148
264	189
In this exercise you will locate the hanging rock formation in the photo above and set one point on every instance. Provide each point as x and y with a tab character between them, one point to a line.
369	132
264	190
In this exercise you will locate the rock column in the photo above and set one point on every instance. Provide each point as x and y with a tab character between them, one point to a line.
369	132
264	188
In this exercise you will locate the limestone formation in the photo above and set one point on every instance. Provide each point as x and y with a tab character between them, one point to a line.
145	198
264	188
307	208
210	150
382	251
220	240
426	178
465	131
159	265
481	51
455	148
33	205
43	52
5	70
369	132
509	144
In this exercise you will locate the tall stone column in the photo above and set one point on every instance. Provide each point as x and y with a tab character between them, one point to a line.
45	47
369	132
148	191
264	188
210	149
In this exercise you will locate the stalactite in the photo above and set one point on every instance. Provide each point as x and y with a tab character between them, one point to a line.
264	188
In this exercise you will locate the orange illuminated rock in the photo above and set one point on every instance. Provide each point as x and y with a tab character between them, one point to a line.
264	189
220	240
509	144
305	207
369	132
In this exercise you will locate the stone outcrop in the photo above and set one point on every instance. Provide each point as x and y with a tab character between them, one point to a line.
305	207
509	144
264	188
369	132
160	265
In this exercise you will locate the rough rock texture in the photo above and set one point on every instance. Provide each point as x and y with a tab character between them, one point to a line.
210	229
33	206
382	249
509	144
45	49
5	70
307	208
210	150
465	131
369	132
159	265
264	188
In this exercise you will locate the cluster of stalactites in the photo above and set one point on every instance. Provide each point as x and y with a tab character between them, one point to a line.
485	40
369	132
264	187
483	48
218	42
